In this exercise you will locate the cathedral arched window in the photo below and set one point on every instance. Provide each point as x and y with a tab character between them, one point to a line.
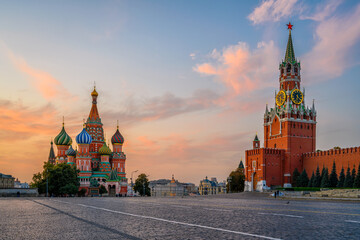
295	70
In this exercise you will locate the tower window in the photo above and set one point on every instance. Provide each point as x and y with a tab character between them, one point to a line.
295	69
288	69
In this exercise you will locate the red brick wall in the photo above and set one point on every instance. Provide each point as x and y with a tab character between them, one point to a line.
343	158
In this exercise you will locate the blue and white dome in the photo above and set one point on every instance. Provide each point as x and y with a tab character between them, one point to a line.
83	137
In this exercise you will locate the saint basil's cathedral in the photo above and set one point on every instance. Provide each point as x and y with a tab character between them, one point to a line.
290	135
94	158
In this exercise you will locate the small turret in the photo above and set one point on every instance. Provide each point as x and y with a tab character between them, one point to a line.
256	142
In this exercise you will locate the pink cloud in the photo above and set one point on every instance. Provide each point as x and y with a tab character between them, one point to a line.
331	55
241	69
44	82
273	10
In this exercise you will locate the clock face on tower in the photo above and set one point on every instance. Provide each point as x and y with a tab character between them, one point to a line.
280	98
297	96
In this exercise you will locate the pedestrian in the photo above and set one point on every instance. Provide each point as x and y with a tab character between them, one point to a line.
275	194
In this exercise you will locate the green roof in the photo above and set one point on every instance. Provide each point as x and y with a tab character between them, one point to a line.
256	138
290	54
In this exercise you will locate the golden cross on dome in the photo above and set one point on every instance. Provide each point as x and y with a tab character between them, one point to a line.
63	120
289	26
117	125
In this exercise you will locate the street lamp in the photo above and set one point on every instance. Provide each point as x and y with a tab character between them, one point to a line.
132	190
47	182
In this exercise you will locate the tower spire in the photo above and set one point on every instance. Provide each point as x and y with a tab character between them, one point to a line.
289	54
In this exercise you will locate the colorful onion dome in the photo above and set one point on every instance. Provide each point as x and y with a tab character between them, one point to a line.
105	150
94	93
117	138
83	137
63	138
70	152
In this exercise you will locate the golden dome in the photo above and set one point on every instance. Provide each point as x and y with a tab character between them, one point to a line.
94	93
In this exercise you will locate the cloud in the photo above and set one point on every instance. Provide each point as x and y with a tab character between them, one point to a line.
192	55
162	107
273	10
335	37
242	70
186	156
323	10
44	82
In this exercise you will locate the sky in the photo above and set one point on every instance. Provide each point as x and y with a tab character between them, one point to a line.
187	80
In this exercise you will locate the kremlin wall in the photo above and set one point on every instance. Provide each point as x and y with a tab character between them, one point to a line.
290	135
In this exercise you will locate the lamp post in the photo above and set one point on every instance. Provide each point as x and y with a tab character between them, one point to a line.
132	190
47	182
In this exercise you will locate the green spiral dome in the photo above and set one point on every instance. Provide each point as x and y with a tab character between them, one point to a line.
63	138
105	150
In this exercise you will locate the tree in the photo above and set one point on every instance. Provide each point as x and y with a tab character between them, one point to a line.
237	182
311	181
333	176
295	178
325	182
348	179
341	181
303	180
141	183
102	189
357	179
322	173
62	179
353	175
317	180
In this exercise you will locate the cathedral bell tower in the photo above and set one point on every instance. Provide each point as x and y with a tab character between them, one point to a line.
290	125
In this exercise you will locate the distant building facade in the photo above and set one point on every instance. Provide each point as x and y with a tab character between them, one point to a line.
211	187
6	181
172	188
18	184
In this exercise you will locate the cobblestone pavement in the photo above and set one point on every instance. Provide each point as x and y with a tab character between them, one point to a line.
177	218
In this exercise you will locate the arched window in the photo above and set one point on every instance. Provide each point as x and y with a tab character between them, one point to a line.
295	70
288	68
275	145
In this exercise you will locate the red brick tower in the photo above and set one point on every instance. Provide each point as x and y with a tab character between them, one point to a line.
95	128
290	125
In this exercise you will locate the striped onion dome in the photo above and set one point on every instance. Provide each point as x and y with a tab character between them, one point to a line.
63	138
105	150
117	138
83	137
70	152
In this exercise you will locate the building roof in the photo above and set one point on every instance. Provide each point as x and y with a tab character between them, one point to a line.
52	153
289	54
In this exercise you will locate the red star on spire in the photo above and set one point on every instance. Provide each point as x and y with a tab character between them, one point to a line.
289	26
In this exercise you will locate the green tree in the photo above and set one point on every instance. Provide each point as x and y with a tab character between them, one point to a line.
62	179
311	181
322	173
237	182
333	176
348	183
325	182
102	189
353	175
295	178
303	180
317	180
141	183
341	181
357	179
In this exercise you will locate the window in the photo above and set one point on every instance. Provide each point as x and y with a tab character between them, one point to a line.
288	69
275	145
